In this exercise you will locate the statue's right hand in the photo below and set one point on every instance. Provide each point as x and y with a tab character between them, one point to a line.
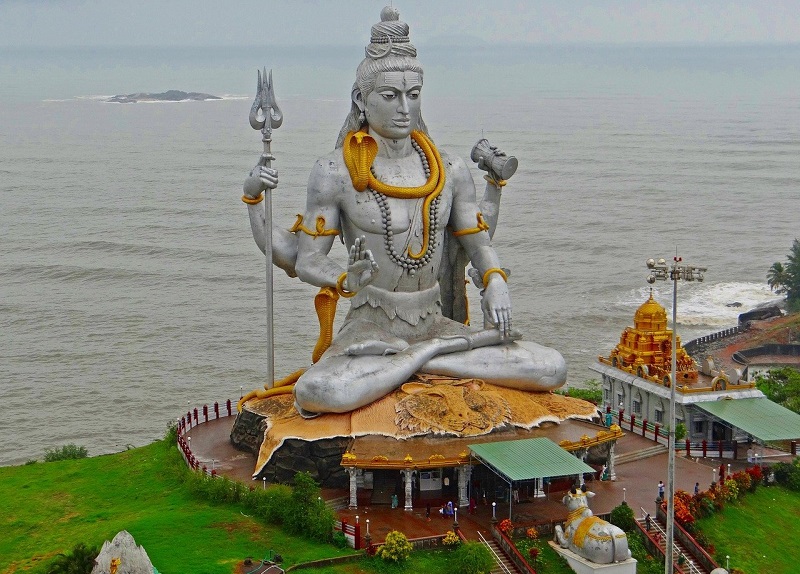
361	266
261	178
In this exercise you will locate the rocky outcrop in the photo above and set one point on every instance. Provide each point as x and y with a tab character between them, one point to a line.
321	458
122	556
168	96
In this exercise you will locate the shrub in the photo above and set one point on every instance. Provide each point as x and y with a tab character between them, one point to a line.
272	504
680	431
396	547
451	539
623	517
743	481
171	434
732	490
647	564
756	476
472	558
506	526
702	504
591	392
532	533
66	452
339	539
305	514
79	561
683	513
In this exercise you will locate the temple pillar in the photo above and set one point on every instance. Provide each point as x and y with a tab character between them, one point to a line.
464	474
612	472
408	478
353	471
538	489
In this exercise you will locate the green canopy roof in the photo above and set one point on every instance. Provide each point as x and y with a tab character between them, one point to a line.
759	417
530	458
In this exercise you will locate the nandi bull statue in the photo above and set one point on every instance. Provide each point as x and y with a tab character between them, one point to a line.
587	535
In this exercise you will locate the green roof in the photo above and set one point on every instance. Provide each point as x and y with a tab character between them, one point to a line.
530	458
759	417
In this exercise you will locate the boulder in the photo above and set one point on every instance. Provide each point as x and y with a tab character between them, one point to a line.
122	556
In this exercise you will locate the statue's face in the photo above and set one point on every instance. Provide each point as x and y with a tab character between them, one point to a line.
392	107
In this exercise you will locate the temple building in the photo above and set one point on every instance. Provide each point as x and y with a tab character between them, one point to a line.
636	378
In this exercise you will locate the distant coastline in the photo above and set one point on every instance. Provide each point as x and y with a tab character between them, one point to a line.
168	96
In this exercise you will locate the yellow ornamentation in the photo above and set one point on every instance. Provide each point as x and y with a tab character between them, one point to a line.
325	304
582	531
340	287
494	270
482	226
320	230
282	387
253	200
495	182
359	151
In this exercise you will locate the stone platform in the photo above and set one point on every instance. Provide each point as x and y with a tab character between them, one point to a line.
427	417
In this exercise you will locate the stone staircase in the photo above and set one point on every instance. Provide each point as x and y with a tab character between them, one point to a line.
503	564
690	566
640	454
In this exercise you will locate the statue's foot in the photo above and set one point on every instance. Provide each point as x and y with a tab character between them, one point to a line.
374	348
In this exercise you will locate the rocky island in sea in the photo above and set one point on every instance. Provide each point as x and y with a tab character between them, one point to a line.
168	96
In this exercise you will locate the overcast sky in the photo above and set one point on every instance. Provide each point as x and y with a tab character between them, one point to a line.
291	22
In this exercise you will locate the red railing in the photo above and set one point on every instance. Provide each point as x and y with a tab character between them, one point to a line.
185	424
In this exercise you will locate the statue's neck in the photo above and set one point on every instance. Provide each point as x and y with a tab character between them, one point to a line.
393	149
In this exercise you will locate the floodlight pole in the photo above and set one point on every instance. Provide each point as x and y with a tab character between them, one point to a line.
660	271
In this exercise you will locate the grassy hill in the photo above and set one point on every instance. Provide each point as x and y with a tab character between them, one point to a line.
50	507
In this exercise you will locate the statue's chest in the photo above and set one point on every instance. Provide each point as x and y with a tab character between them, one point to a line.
373	213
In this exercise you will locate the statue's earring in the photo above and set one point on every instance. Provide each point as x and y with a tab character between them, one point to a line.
362	118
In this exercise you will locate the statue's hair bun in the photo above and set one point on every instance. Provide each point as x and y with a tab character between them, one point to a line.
390	36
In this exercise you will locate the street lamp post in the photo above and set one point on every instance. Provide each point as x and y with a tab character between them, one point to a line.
659	270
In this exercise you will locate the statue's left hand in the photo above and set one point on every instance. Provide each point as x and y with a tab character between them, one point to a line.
496	304
361	266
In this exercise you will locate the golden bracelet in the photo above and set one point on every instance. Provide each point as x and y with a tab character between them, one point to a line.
319	232
340	289
253	200
494	270
495	182
482	226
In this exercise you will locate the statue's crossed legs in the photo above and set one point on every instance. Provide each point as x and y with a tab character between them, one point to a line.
370	369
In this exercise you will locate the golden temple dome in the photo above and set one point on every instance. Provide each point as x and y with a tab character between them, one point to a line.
651	316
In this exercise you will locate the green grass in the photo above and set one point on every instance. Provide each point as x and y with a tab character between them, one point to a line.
759	533
50	507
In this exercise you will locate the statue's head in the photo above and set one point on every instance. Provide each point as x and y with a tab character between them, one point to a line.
389	51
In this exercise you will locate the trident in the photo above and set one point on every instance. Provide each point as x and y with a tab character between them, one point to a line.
265	115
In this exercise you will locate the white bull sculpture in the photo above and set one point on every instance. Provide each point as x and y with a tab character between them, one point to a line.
589	536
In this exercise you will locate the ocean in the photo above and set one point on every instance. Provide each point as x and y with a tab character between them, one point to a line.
131	288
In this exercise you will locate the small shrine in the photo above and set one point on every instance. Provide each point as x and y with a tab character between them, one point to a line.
645	349
636	379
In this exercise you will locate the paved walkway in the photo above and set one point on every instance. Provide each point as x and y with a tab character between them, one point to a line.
637	484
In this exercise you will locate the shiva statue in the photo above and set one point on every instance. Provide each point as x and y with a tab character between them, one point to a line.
395	200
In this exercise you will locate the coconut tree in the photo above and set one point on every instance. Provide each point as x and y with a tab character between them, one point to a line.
777	278
792	282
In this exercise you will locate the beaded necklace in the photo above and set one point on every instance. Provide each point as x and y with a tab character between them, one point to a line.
406	260
359	151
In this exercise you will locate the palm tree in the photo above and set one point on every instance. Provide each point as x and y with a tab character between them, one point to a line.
777	278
